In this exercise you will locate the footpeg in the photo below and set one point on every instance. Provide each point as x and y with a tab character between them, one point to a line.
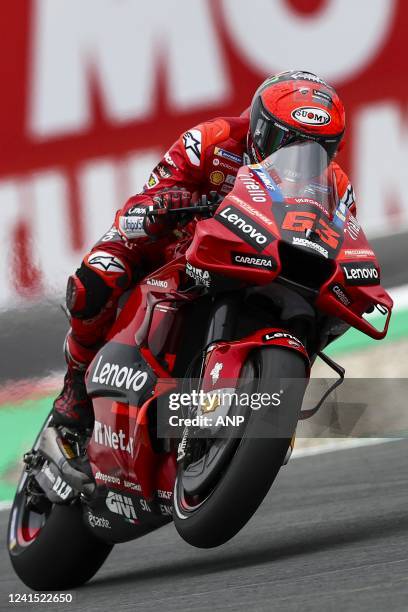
59	454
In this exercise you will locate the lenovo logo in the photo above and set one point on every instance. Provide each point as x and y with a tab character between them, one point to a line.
358	273
244	227
120	377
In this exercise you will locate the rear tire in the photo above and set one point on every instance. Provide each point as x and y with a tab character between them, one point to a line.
52	549
251	471
65	554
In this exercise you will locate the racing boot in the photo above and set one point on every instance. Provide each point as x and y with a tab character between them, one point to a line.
73	408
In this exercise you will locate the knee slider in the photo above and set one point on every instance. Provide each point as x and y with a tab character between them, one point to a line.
87	293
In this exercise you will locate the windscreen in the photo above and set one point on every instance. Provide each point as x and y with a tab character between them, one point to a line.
302	170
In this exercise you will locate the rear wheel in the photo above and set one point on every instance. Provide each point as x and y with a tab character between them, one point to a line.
50	546
233	490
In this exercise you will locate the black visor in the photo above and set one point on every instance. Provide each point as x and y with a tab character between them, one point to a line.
269	134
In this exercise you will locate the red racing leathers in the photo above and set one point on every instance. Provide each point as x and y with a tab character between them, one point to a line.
204	159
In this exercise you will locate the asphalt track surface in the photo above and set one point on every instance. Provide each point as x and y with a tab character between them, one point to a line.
330	536
32	338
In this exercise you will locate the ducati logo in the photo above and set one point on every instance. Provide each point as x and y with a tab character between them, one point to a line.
215	372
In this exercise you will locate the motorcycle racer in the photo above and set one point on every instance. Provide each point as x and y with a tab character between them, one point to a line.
293	106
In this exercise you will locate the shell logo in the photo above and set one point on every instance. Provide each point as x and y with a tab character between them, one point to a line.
309	115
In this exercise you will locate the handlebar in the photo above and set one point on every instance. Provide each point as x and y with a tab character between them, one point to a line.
207	206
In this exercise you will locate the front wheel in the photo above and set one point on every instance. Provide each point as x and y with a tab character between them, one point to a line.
214	516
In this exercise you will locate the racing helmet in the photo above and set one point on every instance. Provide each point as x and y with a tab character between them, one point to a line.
294	106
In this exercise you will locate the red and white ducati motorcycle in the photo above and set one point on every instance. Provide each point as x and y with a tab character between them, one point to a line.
260	284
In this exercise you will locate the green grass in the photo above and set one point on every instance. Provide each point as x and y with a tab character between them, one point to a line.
354	340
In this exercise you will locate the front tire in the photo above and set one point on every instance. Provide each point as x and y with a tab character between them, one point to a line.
227	507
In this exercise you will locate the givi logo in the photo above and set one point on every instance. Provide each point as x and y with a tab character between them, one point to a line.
311	116
120	504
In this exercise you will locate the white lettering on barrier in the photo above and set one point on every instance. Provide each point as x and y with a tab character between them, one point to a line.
122	44
380	161
275	23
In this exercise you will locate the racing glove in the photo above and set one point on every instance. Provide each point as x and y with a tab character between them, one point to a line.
168	199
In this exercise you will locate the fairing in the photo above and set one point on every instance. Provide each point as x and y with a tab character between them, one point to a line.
284	219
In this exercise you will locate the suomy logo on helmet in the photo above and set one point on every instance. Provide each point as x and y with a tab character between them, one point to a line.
309	115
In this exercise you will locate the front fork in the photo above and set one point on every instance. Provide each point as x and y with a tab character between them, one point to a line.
222	321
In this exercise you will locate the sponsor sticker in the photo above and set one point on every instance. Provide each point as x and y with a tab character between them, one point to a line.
359	253
341	294
166	510
192	146
104	435
266	180
98	521
323	97
132	226
215	372
348	198
61	488
157	283
307	76
119	377
136	210
309	244
152	181
120	504
352	228
253	261
46	470
164	171
313	202
254	211
107	478
169	160
217	177
246	228
132	485
199	275
111	234
280	335
358	273
108	263
255	191
311	115
164	494
145	506
233	157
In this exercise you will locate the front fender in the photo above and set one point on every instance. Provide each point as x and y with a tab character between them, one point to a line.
225	360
